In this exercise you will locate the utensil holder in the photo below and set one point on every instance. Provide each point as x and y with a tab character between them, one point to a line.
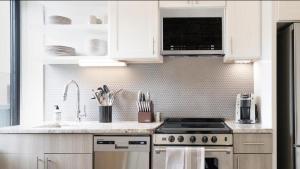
105	114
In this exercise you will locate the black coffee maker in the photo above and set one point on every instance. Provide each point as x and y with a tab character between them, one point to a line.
245	112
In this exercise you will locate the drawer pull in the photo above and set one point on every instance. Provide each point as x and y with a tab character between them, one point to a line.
257	144
238	162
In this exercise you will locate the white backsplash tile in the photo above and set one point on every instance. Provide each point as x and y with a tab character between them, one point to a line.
180	87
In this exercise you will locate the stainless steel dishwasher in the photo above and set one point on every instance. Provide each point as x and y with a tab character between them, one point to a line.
121	152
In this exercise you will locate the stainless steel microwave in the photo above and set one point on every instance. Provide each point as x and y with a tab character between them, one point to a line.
192	31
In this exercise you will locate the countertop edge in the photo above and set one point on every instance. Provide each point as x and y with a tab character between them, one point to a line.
248	128
116	128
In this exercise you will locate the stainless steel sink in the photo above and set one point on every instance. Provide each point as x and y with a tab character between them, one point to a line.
53	125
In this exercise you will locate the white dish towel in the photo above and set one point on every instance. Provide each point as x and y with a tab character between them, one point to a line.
175	157
185	158
200	157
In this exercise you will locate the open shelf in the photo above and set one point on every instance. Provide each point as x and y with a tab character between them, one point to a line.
83	27
63	60
78	34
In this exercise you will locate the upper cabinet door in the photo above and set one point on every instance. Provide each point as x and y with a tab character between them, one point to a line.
195	3
134	30
243	31
288	10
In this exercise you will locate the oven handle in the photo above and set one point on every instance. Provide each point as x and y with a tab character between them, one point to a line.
227	151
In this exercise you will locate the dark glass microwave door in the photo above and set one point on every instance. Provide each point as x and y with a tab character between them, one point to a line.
192	33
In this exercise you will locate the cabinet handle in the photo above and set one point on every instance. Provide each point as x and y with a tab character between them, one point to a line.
37	162
231	48
153	48
47	163
254	143
238	162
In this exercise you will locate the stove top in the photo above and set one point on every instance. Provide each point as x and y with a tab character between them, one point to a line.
193	131
194	125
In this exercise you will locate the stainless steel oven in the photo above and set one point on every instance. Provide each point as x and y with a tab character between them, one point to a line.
192	31
215	157
212	134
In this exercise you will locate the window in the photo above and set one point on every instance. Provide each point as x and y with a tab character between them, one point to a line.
9	63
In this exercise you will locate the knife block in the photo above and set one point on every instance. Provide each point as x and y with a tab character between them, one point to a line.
145	117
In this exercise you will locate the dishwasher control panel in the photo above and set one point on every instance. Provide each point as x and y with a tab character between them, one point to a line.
122	143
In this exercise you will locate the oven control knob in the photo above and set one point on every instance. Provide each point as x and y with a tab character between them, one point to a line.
171	138
180	138
214	139
192	139
204	139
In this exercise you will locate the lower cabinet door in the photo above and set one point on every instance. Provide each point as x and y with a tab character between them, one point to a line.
68	161
253	161
21	161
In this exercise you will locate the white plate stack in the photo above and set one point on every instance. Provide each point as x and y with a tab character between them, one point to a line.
60	50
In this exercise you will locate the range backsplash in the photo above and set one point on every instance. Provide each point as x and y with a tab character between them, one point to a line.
180	87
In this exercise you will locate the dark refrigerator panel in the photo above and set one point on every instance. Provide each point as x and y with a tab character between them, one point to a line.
296	54
285	98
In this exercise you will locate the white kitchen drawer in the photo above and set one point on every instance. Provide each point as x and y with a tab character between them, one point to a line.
252	143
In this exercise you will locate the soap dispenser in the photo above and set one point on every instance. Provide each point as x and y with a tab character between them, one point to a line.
57	114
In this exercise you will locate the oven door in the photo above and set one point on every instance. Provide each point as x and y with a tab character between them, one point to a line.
215	157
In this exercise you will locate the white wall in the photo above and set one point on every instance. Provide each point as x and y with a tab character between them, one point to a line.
5	38
4	52
263	68
32	67
265	74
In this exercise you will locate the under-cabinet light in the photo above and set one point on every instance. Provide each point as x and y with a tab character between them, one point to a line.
100	63
242	61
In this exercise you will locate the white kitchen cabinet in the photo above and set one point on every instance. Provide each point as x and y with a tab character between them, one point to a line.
21	161
69	161
68	143
134	31
54	151
252	161
288	10
243	31
252	151
196	3
21	151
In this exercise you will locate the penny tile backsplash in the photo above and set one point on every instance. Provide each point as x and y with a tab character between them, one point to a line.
180	87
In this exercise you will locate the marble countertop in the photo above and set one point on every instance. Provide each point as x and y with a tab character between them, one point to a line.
248	128
119	127
92	127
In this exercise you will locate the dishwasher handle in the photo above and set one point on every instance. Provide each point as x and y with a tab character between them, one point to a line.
121	147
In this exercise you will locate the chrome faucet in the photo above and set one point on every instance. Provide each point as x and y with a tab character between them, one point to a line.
79	115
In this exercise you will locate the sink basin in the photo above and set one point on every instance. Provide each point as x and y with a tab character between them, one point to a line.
53	125
65	124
